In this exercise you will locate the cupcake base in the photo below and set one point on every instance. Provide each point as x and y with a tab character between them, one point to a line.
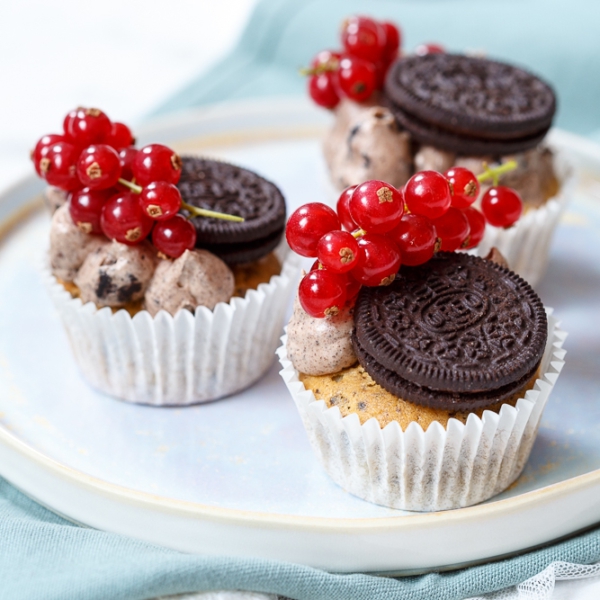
438	469
183	359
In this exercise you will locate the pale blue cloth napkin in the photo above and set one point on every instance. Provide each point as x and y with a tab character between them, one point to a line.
43	557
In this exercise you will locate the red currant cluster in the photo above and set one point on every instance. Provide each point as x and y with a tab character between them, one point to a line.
369	48
377	227
116	189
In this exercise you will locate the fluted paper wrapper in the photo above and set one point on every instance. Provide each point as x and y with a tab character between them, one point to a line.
526	245
431	470
182	359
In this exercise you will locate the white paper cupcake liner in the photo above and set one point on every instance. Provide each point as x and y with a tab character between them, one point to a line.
431	470
182	359
526	245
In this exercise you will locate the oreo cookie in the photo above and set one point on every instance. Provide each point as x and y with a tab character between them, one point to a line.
469	105
457	333
227	188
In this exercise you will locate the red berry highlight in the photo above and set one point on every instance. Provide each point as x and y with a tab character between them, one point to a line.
99	167
476	227
322	293
86	126
393	41
123	219
156	162
338	251
452	228
120	136
376	206
58	165
378	262
322	89
364	38
126	159
343	209
85	207
464	186
174	236
42	147
160	200
427	193
416	238
356	78
501	206
307	225
423	49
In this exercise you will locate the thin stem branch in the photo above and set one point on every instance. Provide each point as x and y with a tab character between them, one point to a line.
202	212
495	172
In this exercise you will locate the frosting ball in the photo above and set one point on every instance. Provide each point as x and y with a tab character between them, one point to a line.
320	346
69	246
196	278
116	274
365	144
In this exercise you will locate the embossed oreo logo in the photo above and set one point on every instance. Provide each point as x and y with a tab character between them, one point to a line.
454	310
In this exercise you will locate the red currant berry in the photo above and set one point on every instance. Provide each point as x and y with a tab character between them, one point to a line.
416	238
123	219
376	206
352	285
42	147
174	236
322	293
352	288
393	41
452	228
99	167
338	251
364	38
307	225
476	227
356	78
378	260
126	159
343	209
160	200
156	162
501	206
85	207
423	49
86	126
463	185
427	193
58	166
120	136
323	91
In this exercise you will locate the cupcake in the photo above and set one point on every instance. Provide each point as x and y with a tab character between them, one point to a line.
162	304
420	375
440	111
433	387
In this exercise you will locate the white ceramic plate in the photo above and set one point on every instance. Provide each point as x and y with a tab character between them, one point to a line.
237	477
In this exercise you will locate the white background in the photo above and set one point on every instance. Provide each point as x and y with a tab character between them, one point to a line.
124	57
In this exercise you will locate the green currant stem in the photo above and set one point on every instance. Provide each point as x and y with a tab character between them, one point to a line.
358	233
495	172
327	67
202	212
137	189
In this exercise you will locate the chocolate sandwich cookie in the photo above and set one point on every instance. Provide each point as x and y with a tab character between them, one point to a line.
222	187
458	333
469	105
